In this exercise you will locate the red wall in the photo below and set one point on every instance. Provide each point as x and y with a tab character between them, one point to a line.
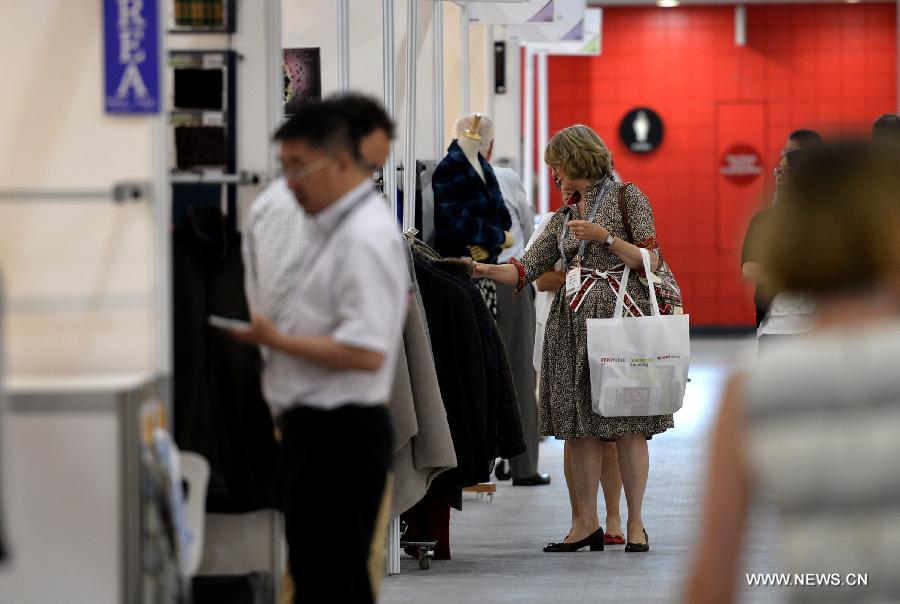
828	67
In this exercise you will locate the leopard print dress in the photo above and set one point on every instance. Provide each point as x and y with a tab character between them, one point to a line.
565	385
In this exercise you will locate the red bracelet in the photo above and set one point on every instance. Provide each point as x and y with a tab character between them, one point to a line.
521	268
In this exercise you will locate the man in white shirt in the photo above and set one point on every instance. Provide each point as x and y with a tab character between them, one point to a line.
276	228
515	314
334	348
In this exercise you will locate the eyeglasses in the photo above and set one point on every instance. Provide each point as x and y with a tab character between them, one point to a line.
300	173
556	179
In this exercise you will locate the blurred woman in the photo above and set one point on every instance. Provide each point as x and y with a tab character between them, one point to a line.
817	421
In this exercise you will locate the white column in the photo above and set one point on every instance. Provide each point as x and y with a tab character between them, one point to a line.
409	173
489	58
740	25
161	208
343	44
528	128
393	546
543	133
390	103
438	25
276	75
464	58
514	90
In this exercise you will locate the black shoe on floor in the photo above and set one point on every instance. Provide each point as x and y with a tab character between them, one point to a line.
532	481
639	547
595	541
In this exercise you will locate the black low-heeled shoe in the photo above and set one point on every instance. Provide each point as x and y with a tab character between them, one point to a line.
639	547
594	540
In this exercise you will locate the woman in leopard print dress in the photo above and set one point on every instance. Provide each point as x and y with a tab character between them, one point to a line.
582	167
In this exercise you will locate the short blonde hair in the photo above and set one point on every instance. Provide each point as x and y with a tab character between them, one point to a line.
485	130
838	223
580	153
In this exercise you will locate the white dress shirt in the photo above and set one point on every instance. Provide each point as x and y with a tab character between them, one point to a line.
354	287
276	237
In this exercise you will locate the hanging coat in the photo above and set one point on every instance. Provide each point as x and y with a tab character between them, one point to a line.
219	409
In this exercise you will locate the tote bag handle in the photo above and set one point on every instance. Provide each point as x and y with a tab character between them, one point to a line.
620	297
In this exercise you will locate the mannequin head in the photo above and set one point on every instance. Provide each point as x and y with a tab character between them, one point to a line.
320	156
485	130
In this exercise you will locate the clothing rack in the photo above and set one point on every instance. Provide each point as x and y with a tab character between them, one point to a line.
120	192
243	178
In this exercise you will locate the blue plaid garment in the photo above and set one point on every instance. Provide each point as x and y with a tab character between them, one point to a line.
467	211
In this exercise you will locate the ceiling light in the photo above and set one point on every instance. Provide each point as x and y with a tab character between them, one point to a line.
667	3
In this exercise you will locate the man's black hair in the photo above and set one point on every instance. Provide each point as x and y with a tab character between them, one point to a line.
887	128
805	138
322	126
364	113
796	158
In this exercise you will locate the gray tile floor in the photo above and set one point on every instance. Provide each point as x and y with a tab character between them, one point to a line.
496	547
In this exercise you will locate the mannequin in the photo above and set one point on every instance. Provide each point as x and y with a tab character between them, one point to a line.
469	143
471	218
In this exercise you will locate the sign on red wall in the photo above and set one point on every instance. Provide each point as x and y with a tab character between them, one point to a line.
741	164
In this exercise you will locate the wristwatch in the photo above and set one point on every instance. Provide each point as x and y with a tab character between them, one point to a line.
609	239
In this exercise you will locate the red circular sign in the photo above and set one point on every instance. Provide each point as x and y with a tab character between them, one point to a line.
741	164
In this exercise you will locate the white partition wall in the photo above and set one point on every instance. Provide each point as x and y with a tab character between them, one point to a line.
87	285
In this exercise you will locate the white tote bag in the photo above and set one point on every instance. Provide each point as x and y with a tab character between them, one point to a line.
638	365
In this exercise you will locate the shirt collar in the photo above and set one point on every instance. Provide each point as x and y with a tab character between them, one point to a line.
328	219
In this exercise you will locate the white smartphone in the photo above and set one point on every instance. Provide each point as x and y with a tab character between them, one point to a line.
224	323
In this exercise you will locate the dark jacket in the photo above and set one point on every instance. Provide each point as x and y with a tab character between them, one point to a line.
219	409
505	424
473	373
458	359
467	210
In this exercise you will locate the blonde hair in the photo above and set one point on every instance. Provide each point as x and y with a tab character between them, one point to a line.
580	153
485	130
838	223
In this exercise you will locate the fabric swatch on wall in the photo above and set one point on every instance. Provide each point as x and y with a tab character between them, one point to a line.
197	146
206	14
199	88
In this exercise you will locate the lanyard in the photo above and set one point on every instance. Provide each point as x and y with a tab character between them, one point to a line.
562	252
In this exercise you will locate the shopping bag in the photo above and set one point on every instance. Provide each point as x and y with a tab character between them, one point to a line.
638	365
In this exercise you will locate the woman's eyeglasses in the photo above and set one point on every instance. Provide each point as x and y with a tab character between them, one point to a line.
556	180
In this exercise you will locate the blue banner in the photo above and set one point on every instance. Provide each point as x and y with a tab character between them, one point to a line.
131	47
